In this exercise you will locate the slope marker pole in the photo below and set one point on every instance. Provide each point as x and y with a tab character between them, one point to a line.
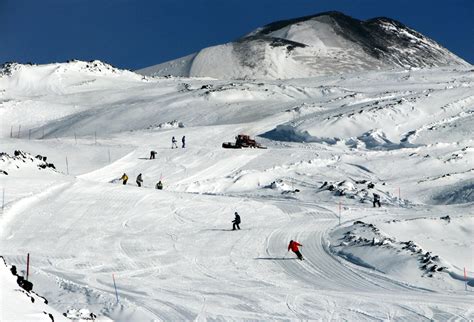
27	266
465	279
115	286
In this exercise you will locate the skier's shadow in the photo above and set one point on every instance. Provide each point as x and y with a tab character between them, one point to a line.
217	229
276	258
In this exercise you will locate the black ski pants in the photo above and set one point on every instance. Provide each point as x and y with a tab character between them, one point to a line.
297	252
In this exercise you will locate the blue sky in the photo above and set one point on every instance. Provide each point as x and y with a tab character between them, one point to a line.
138	33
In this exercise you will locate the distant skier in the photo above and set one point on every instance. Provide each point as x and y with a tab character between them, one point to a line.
236	221
159	185
124	178
152	154
139	180
183	140
376	199
293	245
173	143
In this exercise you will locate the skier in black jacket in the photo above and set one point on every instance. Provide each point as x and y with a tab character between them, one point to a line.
376	200
173	143
236	221
139	180
159	185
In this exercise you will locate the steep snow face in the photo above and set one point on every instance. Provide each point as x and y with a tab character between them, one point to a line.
323	44
177	67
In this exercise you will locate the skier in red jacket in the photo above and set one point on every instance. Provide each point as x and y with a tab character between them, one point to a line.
293	245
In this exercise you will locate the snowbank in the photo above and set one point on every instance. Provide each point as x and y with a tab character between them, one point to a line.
17	304
405	260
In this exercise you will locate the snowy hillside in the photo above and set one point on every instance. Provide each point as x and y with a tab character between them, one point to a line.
18	304
323	44
332	142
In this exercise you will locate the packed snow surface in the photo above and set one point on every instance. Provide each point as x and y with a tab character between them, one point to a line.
331	141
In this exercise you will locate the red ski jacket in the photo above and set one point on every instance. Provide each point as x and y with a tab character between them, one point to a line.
294	246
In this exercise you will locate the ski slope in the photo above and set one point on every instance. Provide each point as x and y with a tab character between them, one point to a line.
172	252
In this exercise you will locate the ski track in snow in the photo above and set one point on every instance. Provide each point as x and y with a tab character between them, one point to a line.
320	272
173	253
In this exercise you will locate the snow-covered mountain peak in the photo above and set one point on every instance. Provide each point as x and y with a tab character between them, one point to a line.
93	67
321	44
273	27
57	77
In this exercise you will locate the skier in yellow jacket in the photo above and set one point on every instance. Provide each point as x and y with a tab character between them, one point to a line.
124	178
